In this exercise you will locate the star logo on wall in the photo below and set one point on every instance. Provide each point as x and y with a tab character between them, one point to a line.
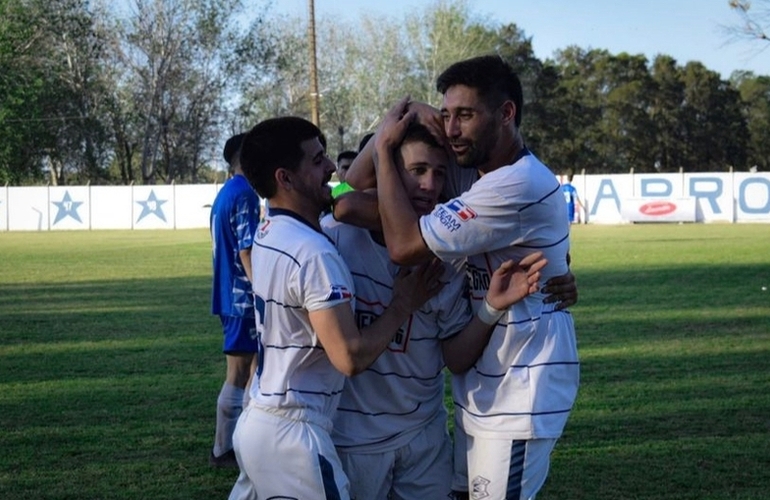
67	208
152	205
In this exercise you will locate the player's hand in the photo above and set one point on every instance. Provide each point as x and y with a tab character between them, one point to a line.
415	286
561	290
393	126
430	117
513	281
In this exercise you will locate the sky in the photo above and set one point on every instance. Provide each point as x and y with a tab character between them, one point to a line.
687	30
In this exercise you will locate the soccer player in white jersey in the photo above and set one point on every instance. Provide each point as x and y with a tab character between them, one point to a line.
398	447
308	338
514	402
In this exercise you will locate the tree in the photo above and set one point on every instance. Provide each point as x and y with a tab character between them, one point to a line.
171	99
755	99
754	19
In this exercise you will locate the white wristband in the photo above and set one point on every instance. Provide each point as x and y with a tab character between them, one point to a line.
488	314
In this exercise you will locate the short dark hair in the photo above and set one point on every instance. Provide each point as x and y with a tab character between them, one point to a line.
417	132
232	146
492	77
272	144
347	155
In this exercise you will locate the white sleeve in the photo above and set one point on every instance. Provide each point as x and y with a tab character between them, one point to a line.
480	220
324	281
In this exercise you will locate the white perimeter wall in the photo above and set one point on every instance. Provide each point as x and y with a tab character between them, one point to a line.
608	199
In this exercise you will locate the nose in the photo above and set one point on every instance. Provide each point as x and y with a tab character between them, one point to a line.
452	126
429	182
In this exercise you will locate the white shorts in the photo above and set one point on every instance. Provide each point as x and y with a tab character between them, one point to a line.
421	470
285	458
507	469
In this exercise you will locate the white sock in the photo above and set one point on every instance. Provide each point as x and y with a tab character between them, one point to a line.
229	407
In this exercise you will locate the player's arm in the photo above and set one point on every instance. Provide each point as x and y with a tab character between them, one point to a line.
358	208
351	351
245	256
400	222
361	174
510	283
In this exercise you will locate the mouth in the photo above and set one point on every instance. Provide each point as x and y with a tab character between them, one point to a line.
460	148
423	206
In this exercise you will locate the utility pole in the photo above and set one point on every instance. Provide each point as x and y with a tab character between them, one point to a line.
313	66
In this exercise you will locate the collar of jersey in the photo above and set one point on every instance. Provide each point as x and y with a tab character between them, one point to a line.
272	212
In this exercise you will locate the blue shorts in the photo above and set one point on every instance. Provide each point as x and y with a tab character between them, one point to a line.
240	334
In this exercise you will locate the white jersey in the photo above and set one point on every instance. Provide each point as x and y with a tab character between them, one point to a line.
525	383
299	270
403	390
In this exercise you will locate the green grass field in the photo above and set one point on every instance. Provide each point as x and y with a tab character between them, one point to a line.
110	366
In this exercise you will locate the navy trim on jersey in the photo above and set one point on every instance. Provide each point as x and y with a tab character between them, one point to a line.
367	277
300	391
281	348
501	414
281	304
327	474
381	413
524	152
394	374
279	251
557	190
544	246
536	365
516	468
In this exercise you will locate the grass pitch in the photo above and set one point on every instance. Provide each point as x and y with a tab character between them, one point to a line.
110	366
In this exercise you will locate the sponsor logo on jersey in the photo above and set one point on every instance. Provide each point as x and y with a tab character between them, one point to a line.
339	292
478	279
263	230
463	211
447	219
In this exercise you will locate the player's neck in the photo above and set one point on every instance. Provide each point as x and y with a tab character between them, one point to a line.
510	146
304	210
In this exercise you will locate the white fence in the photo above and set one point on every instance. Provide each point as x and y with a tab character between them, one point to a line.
608	199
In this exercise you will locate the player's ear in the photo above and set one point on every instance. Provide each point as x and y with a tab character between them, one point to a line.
283	179
508	110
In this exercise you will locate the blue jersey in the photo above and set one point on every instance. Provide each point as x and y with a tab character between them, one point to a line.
570	196
234	219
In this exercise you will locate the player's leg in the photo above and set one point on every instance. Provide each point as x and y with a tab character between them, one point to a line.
288	458
514	470
424	466
370	474
239	347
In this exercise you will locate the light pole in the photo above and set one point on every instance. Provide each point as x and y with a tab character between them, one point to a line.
313	66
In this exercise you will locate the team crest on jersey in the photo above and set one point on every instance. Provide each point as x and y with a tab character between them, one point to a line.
263	230
463	211
339	292
479	488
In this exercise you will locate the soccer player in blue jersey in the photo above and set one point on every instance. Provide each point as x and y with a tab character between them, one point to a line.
233	221
572	199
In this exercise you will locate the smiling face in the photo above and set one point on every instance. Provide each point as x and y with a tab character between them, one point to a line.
311	179
472	128
424	172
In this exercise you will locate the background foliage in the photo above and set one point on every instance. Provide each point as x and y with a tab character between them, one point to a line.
146	91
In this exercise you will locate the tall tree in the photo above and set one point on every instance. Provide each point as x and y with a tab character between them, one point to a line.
755	98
